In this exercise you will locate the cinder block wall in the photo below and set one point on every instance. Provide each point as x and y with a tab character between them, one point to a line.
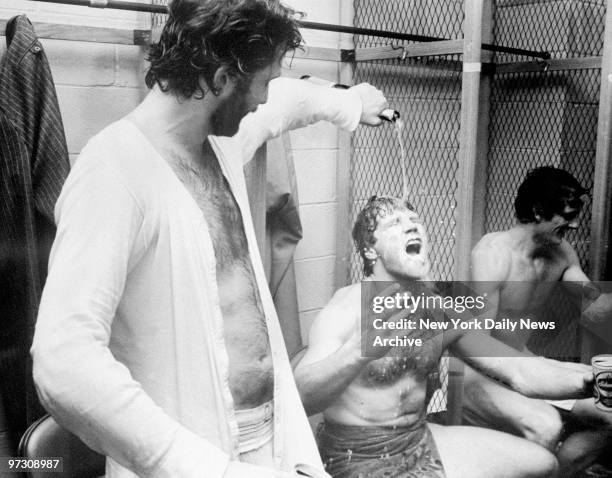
315	151
99	83
96	83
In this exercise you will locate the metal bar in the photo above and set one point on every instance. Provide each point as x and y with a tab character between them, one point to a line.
317	53
343	166
438	48
420	38
142	7
564	64
482	130
58	31
544	55
473	157
466	175
114	4
601	220
468	151
368	31
602	192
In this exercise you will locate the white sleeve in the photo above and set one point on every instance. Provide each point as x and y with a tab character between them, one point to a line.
78	379
295	103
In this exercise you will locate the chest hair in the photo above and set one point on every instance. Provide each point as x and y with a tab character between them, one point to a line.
205	182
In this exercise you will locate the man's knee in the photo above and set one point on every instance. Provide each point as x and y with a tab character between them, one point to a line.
544	465
543	425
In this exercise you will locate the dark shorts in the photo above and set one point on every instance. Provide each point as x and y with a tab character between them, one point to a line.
379	452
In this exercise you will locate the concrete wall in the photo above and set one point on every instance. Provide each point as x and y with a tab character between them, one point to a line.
99	83
96	83
315	151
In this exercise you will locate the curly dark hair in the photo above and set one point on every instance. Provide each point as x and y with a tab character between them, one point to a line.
202	35
545	192
366	223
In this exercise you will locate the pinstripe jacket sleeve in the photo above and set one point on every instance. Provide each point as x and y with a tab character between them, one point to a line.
33	166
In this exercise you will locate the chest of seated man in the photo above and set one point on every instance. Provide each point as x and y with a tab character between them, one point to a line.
417	361
245	331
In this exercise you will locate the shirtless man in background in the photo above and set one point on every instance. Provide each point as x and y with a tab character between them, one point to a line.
374	407
517	270
157	341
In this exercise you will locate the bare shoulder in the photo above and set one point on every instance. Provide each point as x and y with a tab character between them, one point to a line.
345	302
569	253
346	294
569	260
341	312
491	257
494	240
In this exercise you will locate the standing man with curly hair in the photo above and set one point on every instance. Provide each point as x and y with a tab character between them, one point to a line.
157	341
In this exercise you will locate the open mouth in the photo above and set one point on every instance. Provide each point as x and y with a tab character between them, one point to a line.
413	247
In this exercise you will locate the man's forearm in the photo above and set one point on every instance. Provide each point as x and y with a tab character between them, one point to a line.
532	376
320	383
544	378
293	104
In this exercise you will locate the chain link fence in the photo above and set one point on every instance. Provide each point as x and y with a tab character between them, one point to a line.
546	118
536	118
427	93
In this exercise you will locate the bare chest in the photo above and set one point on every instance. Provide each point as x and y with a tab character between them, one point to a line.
403	361
245	329
211	192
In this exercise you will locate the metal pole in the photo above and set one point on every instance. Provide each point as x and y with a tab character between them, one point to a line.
343	168
114	4
466	175
601	221
602	192
141	7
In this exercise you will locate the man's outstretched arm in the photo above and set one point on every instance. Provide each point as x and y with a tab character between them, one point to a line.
296	103
596	306
532	376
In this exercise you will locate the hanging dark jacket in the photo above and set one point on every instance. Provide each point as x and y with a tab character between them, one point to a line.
33	167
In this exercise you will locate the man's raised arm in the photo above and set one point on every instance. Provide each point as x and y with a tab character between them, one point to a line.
334	357
296	103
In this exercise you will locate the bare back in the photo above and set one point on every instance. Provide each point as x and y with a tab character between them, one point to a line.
245	331
522	278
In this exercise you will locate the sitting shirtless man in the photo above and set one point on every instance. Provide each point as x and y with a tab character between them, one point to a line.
157	341
374	407
518	269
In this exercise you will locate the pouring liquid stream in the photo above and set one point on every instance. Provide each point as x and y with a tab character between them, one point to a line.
390	115
398	126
